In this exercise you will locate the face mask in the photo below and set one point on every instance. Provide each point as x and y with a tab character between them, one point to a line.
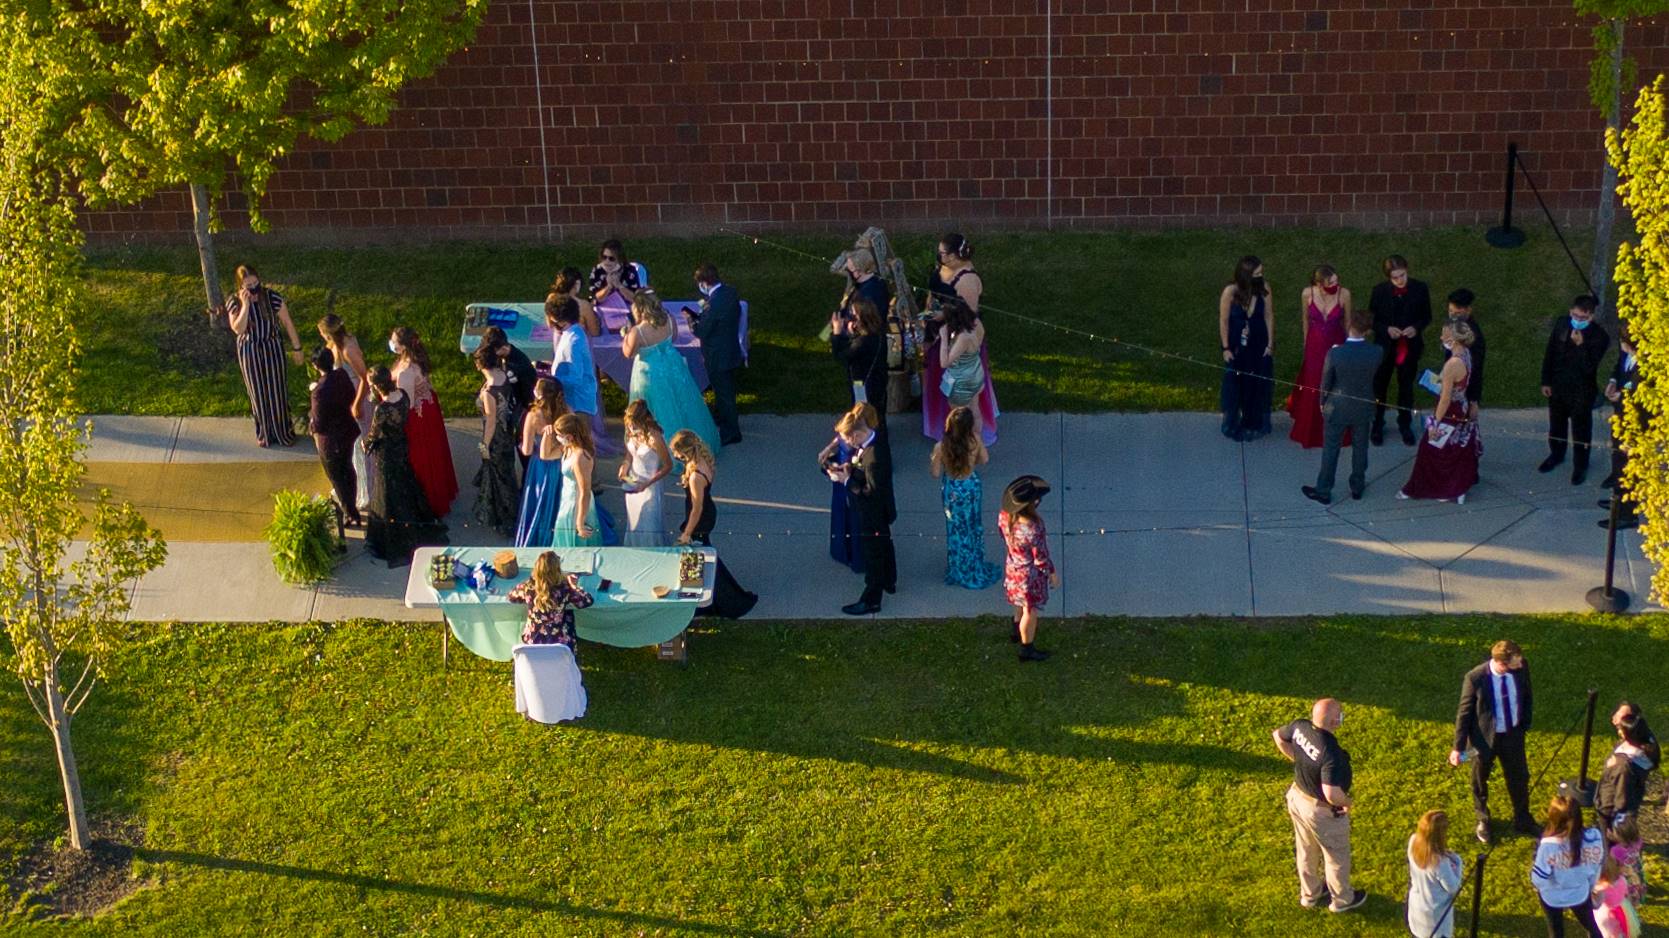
1450	345
704	289
1332	290
1457	318
393	347
1257	284
1579	324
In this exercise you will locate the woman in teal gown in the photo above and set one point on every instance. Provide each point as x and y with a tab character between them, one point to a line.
576	523
660	376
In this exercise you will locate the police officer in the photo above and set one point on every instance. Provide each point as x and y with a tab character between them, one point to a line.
1319	804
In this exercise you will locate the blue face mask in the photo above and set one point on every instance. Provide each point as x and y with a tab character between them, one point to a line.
1579	324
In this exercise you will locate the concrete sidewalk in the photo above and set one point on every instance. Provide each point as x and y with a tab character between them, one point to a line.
1152	515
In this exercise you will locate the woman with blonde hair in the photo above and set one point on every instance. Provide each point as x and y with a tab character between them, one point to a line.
1446	460
647	464
1435	875
955	462
660	376
844	528
351	359
551	598
730	601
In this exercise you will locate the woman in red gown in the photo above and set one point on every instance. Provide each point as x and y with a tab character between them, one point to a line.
1446	461
1325	305
431	454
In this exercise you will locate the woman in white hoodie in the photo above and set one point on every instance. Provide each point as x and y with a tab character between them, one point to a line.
1435	875
1567	866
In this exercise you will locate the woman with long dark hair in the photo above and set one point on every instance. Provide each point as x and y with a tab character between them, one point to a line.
497	496
542	486
1246	326
431	453
350	358
399	519
255	314
1324	307
953	278
955	461
1567	866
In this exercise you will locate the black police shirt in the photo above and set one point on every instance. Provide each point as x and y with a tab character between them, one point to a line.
1319	758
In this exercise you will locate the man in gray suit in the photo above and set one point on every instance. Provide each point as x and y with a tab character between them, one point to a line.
1347	403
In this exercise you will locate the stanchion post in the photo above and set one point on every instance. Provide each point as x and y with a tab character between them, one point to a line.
1586	788
1477	892
1608	598
1507	236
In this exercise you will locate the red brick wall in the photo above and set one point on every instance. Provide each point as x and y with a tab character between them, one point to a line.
681	115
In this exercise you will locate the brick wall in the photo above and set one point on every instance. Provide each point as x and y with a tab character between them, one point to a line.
682	116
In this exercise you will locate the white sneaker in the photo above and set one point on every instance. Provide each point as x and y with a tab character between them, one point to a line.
1460	499
1401	495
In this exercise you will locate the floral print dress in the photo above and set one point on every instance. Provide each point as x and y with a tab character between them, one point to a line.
1028	568
965	563
554	626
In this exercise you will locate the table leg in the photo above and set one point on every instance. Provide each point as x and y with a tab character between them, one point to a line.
445	643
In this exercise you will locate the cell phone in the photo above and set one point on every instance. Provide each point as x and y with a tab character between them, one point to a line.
604	584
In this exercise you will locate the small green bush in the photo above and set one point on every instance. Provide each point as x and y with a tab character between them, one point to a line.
302	536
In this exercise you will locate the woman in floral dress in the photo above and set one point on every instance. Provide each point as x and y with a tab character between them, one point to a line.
1028	574
956	461
551	599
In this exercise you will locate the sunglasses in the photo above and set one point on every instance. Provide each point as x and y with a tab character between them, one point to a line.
610	257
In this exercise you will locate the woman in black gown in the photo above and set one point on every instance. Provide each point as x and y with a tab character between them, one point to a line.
497	496
730	601
1246	326
399	519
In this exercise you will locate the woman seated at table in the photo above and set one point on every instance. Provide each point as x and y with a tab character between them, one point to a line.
614	274
551	598
660	376
569	282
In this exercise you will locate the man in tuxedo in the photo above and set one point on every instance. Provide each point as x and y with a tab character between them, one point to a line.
1570	369
1347	405
868	481
1401	309
1493	717
718	325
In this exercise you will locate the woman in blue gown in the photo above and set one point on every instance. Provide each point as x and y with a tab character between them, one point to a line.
542	483
660	376
843	524
1246	326
577	522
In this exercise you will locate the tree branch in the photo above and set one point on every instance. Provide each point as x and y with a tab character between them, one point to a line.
35	701
70	706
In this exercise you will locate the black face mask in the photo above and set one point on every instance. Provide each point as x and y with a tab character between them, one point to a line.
1257	284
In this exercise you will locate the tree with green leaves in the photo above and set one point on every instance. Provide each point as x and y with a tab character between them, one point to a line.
1640	155
1610	75
60	615
151	96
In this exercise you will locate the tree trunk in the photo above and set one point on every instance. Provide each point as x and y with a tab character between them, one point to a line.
1605	255
60	726
200	211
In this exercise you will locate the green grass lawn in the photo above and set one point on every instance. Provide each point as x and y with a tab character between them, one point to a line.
883	778
1156	289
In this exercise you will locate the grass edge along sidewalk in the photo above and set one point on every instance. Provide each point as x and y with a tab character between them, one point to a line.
836	778
145	353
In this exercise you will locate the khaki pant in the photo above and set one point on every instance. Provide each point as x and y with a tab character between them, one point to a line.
1323	839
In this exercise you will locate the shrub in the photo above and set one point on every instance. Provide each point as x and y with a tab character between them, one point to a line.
303	537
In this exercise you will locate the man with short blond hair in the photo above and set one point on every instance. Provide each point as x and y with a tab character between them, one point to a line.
1492	719
1319	803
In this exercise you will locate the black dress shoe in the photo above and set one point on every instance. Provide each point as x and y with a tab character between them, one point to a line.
1528	827
1624	523
1033	653
1407	436
861	608
1377	436
892	590
1579	475
1355	496
1604	503
1550	463
1315	496
1609	482
731	440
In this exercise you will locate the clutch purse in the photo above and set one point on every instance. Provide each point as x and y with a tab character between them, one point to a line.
504	564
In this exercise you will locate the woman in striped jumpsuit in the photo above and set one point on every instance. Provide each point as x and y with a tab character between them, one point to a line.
255	313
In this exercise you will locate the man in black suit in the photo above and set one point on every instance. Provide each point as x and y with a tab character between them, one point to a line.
1570	369
1401	309
1620	392
1494	714
868	481
1347	405
718	325
330	419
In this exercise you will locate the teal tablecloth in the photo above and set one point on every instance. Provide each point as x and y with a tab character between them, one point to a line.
628	615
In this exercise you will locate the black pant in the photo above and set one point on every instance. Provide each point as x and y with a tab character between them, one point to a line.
1332	437
339	469
1407	373
1619	459
880	563
1583	911
1570	419
724	404
1509	749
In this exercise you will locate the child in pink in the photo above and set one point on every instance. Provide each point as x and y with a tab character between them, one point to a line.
1612	908
1625	849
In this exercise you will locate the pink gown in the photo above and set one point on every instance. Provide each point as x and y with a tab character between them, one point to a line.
934	406
1304	403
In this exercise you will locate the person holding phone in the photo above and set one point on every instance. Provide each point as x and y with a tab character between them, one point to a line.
255	314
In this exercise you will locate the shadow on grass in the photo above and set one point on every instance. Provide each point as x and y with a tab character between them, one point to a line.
496	900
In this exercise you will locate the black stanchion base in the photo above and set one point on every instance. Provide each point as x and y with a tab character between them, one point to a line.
1504	237
1581	790
1600	602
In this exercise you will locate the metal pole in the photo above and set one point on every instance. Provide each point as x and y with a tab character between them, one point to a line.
1608	598
1585	788
1477	892
1507	236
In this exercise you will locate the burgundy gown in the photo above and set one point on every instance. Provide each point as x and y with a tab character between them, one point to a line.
1447	472
1304	403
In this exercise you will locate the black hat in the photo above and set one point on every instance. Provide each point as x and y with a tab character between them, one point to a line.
1024	492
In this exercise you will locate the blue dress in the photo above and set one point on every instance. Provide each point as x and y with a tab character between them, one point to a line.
661	379
965	563
572	367
1249	375
843	523
563	533
541	491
